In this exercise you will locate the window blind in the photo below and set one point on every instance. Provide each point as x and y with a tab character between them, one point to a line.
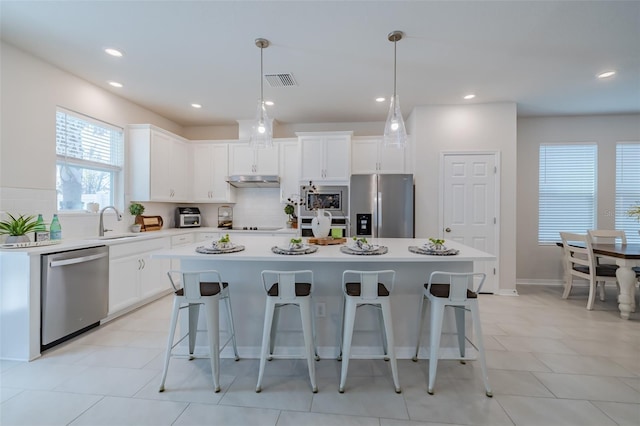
627	187
83	140
567	190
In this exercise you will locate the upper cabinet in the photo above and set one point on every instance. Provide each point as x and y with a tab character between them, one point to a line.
210	170
325	156
369	155
159	165
244	160
289	169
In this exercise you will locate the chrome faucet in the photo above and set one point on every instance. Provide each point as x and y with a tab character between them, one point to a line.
101	229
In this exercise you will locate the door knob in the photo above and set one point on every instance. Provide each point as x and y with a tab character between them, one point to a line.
447	230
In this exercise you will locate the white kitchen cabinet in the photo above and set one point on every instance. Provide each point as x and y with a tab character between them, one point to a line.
289	169
207	236
134	277
325	156
177	241
210	170
244	160
369	155
158	165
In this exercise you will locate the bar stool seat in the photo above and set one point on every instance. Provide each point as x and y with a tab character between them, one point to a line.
456	293
288	288
373	288
190	291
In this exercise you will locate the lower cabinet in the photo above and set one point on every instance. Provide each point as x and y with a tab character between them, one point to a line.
135	277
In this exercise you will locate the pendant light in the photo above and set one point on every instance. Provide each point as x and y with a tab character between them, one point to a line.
262	130
395	134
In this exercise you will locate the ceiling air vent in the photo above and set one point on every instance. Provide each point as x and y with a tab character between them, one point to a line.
281	80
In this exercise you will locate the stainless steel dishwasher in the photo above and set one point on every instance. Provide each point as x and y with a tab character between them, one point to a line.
75	293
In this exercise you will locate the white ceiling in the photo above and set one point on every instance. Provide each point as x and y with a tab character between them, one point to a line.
542	55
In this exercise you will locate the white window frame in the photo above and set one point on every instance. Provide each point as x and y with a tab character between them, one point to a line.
567	189
627	188
111	161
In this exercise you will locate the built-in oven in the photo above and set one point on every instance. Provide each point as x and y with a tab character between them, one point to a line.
331	198
339	227
334	199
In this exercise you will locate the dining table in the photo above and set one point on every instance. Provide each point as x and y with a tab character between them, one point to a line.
626	257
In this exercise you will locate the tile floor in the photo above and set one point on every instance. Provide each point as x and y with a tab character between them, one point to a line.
551	362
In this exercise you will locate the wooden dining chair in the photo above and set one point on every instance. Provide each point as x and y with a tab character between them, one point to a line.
579	261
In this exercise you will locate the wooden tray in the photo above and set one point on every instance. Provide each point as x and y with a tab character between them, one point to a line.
327	241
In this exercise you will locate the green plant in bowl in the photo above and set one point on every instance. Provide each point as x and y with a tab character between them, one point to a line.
17	228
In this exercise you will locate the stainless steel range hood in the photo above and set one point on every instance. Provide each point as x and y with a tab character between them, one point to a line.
254	181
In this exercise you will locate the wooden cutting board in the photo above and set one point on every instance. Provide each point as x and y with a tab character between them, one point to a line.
326	241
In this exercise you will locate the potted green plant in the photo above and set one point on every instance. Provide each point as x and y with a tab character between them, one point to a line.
290	211
136	210
18	228
634	211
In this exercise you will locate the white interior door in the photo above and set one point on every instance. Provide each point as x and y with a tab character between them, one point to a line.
470	206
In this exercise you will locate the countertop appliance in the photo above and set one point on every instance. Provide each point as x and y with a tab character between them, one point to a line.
382	206
188	217
74	293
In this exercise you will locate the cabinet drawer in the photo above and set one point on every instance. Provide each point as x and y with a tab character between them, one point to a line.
207	236
137	247
180	240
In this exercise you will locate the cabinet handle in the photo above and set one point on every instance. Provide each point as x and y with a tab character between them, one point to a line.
143	263
139	264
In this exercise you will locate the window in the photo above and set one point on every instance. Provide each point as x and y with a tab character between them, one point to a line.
627	188
567	190
89	161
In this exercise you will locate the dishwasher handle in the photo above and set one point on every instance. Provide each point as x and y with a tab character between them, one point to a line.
75	260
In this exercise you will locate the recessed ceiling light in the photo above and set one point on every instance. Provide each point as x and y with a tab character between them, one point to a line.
469	96
380	99
115	84
113	52
269	103
196	105
606	74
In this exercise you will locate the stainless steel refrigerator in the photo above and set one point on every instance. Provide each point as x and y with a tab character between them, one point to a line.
381	206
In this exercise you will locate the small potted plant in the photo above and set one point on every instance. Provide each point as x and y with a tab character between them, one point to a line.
18	228
634	211
290	211
136	210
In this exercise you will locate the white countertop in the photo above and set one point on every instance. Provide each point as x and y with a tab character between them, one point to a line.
112	239
259	249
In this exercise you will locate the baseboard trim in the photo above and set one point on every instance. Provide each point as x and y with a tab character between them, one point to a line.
358	352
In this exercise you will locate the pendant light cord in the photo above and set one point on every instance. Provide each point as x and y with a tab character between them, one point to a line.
261	80
395	44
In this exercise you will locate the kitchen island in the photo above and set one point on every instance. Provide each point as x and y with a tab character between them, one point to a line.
242	271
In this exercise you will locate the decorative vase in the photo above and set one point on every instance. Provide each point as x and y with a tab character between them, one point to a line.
321	224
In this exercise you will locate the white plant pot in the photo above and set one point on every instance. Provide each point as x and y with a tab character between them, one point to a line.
321	224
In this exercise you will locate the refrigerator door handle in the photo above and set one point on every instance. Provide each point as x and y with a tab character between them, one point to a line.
379	218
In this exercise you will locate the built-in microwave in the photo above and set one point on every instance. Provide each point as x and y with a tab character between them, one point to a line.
334	199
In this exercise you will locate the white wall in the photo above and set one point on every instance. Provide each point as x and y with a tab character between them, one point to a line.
31	90
479	127
542	264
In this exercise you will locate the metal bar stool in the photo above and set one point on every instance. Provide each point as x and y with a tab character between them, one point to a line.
457	294
370	288
192	289
288	288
